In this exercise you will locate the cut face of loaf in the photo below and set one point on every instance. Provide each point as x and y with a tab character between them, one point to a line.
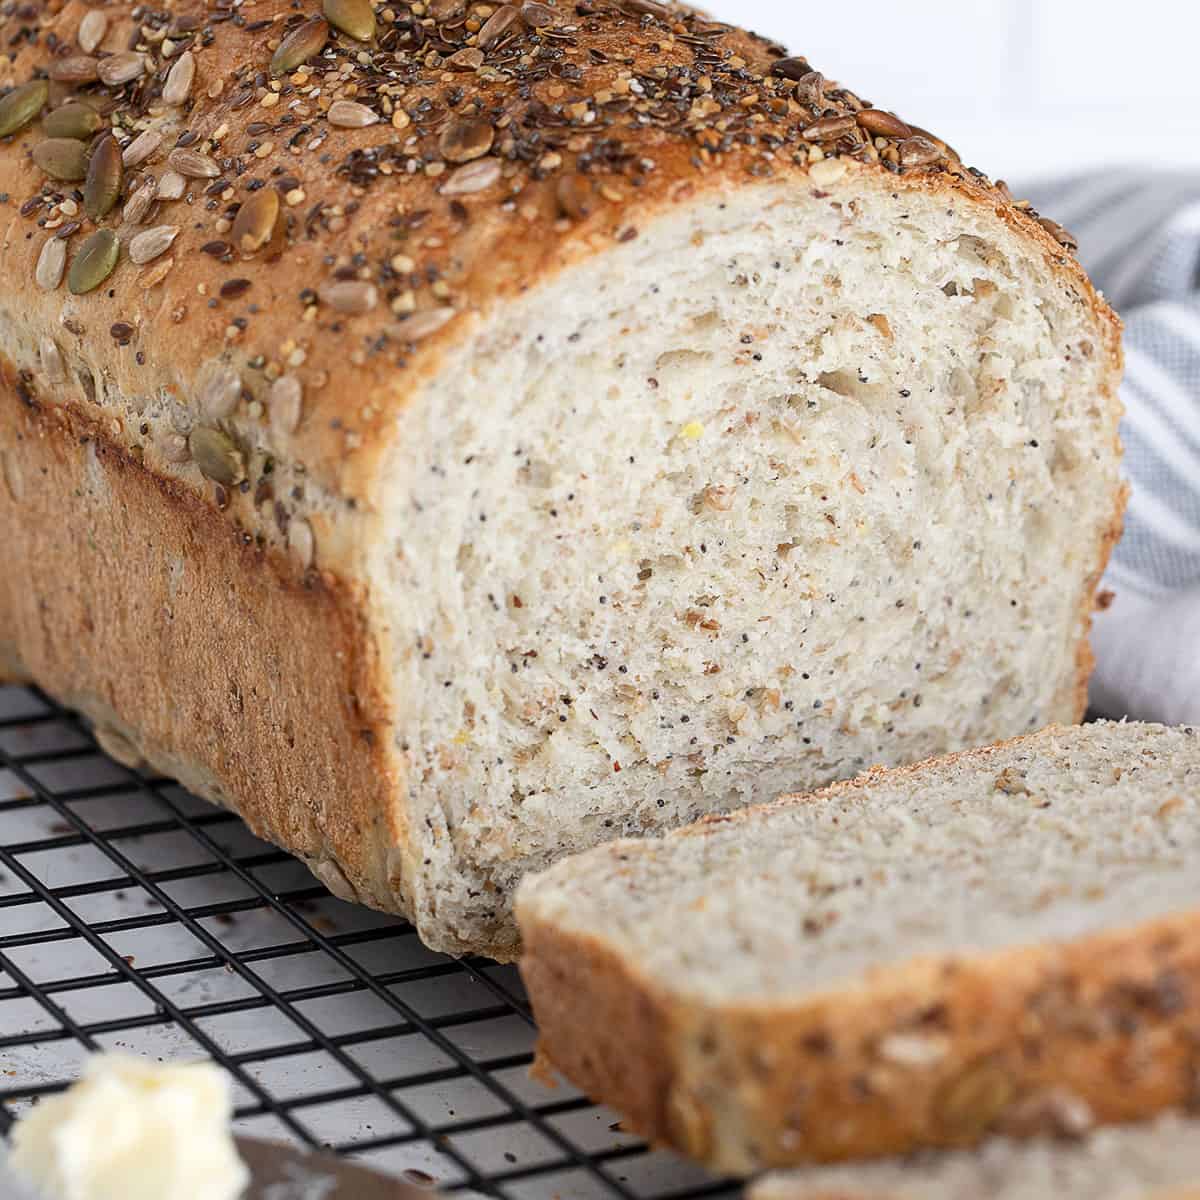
801	481
456	471
1159	1160
908	960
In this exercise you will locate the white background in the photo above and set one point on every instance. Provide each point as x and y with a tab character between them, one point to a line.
1021	88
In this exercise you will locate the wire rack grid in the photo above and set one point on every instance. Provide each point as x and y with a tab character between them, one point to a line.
135	917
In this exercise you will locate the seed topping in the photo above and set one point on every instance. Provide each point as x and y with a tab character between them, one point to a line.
463	140
51	263
94	263
103	185
217	456
304	42
72	121
21	105
255	221
179	79
62	158
354	18
146	246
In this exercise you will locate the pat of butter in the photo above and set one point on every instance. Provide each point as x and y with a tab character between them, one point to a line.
133	1130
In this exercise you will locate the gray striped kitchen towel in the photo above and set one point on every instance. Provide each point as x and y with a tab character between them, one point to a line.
1139	237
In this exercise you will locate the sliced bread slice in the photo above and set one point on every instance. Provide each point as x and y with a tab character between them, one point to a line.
1159	1160
892	963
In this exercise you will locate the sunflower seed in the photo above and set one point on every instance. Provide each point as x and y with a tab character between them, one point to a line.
421	325
538	16
138	205
473	177
216	455
883	124
827	171
445	10
255	220
574	195
303	43
301	542
645	8
220	394
94	263
76	68
92	29
355	18
146	246
287	398
349	114
171	186
52	361
62	158
193	164
51	261
829	129
103	185
72	121
1059	234
919	152
497	25
350	296
122	68
466	138
179	79
21	105
141	148
810	89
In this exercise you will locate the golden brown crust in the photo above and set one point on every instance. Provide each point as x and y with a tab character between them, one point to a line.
221	652
1113	1018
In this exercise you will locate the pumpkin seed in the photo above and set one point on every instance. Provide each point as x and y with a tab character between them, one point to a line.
304	42
103	185
193	164
62	158
138	205
119	69
174	448
21	105
350	296
466	138
287	398
349	114
94	263
969	1104
146	246
883	124
179	79
72	121
52	361
473	177
216	455
497	25
50	264
92	29
141	147
171	186
76	68
355	18
255	220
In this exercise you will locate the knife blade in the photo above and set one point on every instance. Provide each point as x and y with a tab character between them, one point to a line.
280	1172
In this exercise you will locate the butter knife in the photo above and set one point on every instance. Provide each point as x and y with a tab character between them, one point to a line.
281	1172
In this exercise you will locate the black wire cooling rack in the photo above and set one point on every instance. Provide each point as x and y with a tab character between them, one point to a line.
136	917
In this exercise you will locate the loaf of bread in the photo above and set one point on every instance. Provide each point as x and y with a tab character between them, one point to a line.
1159	1160
455	434
898	962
